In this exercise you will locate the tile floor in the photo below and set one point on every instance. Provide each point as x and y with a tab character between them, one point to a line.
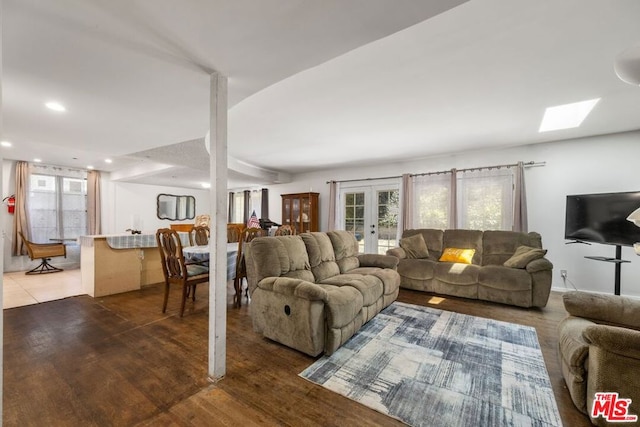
20	289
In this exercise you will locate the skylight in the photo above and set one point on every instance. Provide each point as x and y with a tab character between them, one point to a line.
56	106
566	116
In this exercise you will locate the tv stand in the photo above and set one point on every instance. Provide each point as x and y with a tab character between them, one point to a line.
617	261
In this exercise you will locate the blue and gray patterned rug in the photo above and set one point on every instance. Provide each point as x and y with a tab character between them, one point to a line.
428	367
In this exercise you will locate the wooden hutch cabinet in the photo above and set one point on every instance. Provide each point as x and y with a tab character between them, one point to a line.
300	210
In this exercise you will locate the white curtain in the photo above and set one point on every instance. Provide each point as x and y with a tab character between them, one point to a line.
485	199
432	201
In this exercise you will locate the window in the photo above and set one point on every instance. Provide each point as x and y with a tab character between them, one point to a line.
432	195
238	207
255	204
57	204
484	200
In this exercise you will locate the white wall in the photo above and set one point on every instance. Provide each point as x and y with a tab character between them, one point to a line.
587	165
127	205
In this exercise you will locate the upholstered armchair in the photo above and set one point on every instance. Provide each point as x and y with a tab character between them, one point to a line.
599	348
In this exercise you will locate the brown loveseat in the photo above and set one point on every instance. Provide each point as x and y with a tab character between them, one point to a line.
599	349
313	291
506	267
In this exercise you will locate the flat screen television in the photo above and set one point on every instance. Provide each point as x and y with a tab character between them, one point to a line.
602	218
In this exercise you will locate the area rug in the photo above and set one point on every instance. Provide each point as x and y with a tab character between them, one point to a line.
428	367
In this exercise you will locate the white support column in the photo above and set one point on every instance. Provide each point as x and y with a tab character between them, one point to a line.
218	238
1	240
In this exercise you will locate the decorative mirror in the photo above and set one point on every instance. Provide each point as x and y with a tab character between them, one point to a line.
176	208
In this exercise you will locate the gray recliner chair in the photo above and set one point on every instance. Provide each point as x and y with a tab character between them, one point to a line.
599	349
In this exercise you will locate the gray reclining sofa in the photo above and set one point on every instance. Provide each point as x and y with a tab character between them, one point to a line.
313	291
507	267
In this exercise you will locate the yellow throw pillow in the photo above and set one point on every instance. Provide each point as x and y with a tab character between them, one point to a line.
463	256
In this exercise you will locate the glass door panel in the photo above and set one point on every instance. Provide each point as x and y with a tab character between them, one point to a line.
295	214
371	214
286	212
354	216
388	209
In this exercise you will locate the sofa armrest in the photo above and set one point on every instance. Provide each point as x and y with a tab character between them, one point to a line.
612	309
397	252
621	341
374	260
295	287
540	264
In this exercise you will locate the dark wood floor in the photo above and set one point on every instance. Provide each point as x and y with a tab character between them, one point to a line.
119	361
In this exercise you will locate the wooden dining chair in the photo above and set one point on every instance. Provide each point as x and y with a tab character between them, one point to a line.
285	230
199	235
248	234
44	252
176	270
234	230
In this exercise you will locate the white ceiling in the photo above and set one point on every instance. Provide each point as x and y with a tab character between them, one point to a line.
312	84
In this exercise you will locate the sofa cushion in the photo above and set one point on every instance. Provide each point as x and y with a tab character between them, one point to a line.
414	246
504	278
390	278
279	256
345	247
378	261
369	286
498	246
456	273
523	256
466	239
463	256
419	269
321	256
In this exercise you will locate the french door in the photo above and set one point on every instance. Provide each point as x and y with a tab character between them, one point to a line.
371	213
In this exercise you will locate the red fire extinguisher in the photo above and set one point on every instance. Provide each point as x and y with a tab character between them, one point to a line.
11	203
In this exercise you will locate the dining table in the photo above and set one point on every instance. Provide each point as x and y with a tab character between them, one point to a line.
201	253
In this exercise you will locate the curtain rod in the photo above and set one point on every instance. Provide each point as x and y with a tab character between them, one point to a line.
526	164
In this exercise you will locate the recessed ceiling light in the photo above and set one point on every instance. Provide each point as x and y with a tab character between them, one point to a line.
55	106
108	161
5	144
205	184
566	116
37	160
89	167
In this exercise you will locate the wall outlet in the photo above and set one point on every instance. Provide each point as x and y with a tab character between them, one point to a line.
563	274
